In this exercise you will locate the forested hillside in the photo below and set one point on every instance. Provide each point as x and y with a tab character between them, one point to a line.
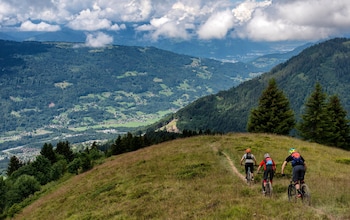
228	111
57	91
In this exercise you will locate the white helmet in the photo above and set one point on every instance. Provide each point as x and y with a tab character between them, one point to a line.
266	155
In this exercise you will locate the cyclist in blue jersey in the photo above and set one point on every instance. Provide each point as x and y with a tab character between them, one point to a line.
269	167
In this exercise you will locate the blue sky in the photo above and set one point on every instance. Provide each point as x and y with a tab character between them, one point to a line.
264	20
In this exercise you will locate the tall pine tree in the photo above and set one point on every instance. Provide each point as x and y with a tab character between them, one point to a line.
13	165
48	152
315	122
339	124
273	114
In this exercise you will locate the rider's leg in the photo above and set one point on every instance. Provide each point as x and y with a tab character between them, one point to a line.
299	176
271	175
266	176
295	178
252	170
263	185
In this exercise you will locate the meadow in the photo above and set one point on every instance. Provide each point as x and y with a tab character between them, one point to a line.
192	178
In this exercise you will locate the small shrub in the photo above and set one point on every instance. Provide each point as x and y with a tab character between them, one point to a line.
343	161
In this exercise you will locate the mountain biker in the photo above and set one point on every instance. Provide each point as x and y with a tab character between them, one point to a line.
269	167
249	162
299	168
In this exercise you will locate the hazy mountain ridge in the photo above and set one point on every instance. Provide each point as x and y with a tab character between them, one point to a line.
228	111
229	49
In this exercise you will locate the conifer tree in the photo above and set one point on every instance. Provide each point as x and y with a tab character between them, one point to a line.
273	114
63	148
14	165
339	124
315	123
48	152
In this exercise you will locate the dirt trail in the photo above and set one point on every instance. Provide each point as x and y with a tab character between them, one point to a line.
242	177
234	169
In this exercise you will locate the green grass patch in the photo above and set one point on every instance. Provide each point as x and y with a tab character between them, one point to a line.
343	161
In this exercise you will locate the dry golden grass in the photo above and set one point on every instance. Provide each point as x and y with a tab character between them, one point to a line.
192	179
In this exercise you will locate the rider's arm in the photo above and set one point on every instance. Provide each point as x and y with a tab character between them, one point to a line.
283	166
260	165
305	167
242	159
258	169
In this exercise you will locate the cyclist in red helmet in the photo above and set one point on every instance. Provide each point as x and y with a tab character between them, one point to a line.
249	162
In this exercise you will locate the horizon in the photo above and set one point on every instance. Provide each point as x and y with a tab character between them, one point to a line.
152	21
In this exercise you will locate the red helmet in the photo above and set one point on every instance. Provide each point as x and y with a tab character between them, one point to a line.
248	150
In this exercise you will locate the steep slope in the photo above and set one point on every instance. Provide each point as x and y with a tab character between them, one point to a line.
326	63
192	179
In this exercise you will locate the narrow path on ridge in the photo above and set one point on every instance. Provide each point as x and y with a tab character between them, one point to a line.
233	167
242	177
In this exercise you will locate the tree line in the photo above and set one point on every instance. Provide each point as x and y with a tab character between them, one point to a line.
324	120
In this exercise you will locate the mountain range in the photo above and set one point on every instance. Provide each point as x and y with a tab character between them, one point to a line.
58	90
229	49
227	111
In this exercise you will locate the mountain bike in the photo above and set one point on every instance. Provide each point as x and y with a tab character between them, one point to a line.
249	177
305	193
267	190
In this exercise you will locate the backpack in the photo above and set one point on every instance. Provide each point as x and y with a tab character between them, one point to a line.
268	161
297	159
248	156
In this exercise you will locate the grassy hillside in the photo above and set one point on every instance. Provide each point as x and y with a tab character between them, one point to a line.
193	179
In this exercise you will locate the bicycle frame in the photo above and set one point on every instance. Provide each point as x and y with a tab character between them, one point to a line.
305	192
268	188
249	176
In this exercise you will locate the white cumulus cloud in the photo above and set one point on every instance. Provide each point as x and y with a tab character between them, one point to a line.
262	20
42	26
297	20
98	39
217	25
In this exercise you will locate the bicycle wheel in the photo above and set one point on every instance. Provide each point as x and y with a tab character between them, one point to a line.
292	192
268	189
249	177
306	195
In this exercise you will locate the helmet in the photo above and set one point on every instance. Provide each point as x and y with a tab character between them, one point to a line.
292	150
266	155
248	150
